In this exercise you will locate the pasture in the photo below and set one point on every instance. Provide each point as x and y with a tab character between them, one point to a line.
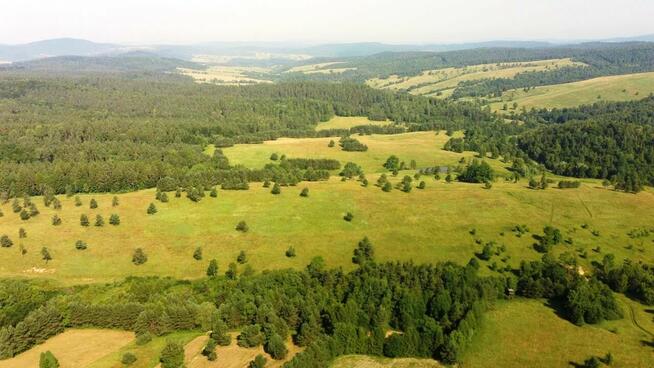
614	88
225	75
442	82
527	333
320	68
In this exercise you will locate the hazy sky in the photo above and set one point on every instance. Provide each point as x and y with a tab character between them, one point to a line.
396	21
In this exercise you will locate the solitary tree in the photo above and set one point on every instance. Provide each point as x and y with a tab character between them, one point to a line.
93	204
56	204
387	187
348	217
331	143
80	245
274	157
276	189
422	185
45	255
304	192
5	242
128	359
139	257
212	270
84	220
152	209
24	215
290	252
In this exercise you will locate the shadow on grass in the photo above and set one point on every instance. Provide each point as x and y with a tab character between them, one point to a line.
559	309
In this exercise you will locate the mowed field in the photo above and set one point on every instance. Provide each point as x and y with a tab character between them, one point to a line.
225	75
74	348
442	82
320	68
614	88
347	122
527	333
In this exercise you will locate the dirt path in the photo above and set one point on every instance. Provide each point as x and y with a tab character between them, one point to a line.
632	314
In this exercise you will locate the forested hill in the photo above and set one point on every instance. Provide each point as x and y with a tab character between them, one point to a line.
68	134
636	112
134	62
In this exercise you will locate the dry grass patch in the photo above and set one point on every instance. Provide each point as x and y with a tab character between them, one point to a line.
225	75
361	361
73	348
347	122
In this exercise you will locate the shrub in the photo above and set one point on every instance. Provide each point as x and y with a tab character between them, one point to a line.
290	252
22	234
152	209
48	360
276	189
114	219
143	338
24	215
258	362
80	245
242	227
93	204
422	185
128	359
304	192
348	217
212	270
387	187
197	254
56	220
213	193
242	257
209	350
78	201
5	242
139	257
114	202
99	221
84	220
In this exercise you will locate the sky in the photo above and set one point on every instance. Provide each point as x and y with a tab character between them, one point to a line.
322	21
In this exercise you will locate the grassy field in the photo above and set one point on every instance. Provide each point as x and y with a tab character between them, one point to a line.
74	348
423	147
347	122
526	333
442	82
359	361
427	225
614	88
147	355
320	68
225	75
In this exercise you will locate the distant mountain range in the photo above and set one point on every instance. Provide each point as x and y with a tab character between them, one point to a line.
254	50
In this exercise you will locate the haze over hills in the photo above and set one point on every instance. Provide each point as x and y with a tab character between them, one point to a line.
261	50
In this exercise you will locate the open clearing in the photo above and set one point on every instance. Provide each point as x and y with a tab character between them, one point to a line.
526	333
320	68
423	147
359	361
225	75
347	122
614	88
73	348
442	82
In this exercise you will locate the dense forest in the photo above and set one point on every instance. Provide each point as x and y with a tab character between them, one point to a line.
107	133
433	310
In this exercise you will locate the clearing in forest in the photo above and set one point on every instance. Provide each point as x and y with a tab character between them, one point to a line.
442	82
613	88
225	75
